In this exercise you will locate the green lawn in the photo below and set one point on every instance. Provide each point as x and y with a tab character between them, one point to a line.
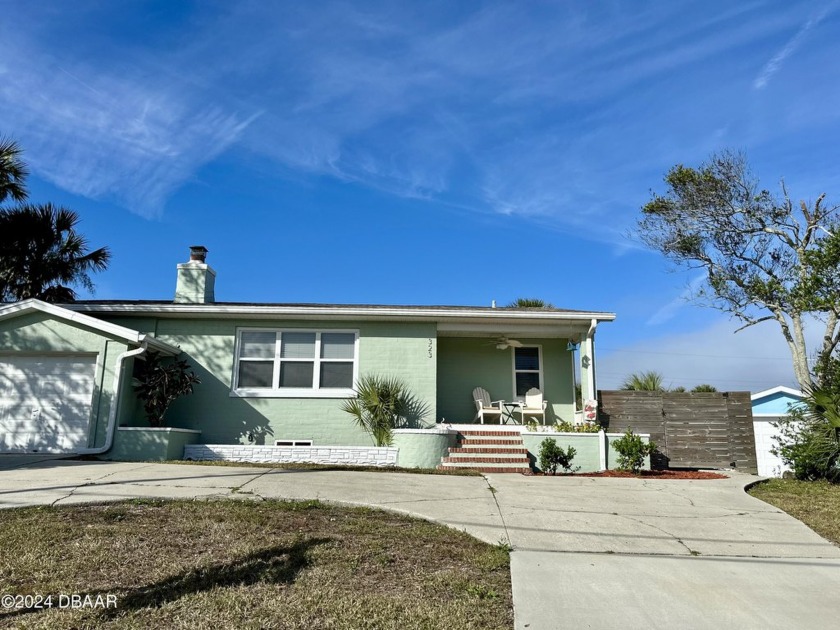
249	564
815	503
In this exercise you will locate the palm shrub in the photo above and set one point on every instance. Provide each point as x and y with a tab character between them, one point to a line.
644	382
159	382
552	456
809	436
382	404
530	303
704	387
632	451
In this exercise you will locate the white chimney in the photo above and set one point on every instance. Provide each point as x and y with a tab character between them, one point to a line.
196	279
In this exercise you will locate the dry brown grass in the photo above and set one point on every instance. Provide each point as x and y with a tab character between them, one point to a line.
248	564
815	503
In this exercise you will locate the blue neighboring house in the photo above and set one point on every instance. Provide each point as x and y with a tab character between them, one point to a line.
767	407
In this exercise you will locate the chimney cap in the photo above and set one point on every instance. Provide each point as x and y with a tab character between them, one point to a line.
198	253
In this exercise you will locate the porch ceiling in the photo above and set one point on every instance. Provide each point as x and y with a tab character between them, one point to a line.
560	330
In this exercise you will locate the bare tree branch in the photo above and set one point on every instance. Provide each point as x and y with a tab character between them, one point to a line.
764	257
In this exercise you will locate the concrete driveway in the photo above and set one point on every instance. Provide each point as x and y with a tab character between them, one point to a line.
9	461
626	553
588	553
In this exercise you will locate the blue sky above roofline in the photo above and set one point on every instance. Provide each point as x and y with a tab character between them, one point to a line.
434	153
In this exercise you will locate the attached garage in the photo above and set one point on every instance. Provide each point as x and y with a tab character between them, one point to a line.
63	378
46	403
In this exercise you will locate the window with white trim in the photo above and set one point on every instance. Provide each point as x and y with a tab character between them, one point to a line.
527	369
296	362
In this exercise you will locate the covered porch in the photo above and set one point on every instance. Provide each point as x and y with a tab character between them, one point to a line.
526	349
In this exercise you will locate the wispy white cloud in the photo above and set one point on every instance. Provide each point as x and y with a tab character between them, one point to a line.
776	61
754	359
672	308
103	135
553	112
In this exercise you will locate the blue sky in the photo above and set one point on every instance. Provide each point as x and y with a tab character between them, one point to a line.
423	153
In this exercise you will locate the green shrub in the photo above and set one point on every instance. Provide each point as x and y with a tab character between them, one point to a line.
532	425
564	426
809	436
552	456
632	451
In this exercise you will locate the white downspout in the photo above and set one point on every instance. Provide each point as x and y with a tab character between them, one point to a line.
590	353
115	403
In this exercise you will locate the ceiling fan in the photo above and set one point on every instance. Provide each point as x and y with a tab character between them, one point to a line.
503	343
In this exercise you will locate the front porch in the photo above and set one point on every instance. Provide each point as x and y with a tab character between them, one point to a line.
509	364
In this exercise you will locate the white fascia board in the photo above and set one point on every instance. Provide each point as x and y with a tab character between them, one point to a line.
348	312
779	389
121	332
156	344
559	329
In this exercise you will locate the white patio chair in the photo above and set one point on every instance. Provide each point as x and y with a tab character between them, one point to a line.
484	406
534	404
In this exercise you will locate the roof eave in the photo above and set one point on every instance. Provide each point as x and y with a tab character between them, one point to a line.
779	389
275	311
128	335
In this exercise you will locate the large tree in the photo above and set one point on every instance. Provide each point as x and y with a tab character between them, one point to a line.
43	256
12	172
41	253
765	257
530	303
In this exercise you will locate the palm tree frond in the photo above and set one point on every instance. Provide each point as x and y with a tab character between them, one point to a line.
42	256
644	382
13	171
382	404
530	303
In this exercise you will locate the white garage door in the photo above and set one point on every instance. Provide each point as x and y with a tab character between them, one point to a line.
769	465
45	403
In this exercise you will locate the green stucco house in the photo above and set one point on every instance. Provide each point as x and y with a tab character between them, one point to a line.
271	374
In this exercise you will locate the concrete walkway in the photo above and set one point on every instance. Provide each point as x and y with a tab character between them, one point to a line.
588	553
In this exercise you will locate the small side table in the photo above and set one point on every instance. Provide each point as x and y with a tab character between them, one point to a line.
510	408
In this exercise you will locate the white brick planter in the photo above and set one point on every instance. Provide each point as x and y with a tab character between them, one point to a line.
382	457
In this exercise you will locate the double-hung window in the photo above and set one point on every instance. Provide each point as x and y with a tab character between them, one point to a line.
527	369
296	363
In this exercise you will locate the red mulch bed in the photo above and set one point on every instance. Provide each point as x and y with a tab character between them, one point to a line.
649	474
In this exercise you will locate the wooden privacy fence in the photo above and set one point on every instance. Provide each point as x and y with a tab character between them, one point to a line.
692	430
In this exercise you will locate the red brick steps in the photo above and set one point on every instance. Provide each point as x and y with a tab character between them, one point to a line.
486	450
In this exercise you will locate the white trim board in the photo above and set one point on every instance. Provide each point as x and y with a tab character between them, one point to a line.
779	389
134	337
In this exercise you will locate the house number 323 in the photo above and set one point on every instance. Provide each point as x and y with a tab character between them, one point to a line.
430	348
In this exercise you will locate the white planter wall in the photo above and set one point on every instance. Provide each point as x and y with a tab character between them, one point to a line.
338	455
